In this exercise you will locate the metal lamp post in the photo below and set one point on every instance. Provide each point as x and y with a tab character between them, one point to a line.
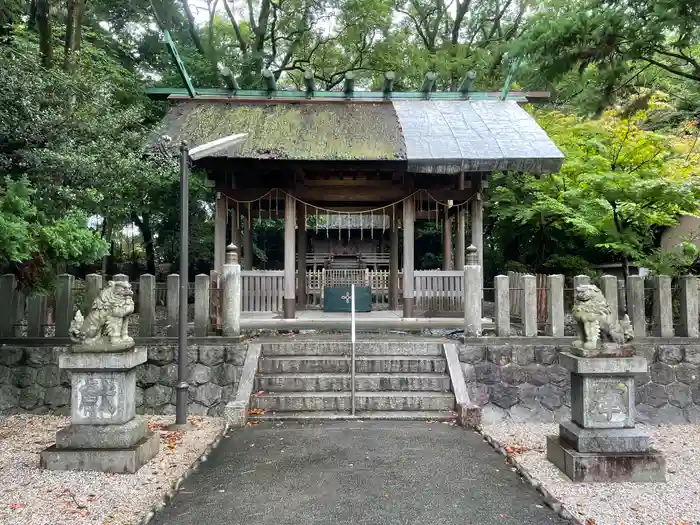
208	149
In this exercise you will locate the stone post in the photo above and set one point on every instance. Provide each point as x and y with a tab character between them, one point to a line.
20	312
555	305
663	306
581	279
201	305
104	434
36	315
621	299
609	289
502	305
220	215
529	313
231	299
635	305
689	307
64	304
93	286
601	443
8	304
147	305
121	277
472	294
173	303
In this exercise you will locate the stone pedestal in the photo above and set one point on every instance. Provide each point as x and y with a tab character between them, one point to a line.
601	443
104	434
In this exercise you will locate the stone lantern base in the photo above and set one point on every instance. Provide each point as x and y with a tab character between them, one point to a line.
104	434
601	443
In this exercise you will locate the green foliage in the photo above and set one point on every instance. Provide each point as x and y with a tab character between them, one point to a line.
680	260
619	185
28	234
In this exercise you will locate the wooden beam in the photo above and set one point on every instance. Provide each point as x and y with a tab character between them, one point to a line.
349	83
344	194
263	96
230	80
428	82
388	82
269	78
466	86
309	82
179	64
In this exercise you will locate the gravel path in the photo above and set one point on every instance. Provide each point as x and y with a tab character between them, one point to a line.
31	496
675	502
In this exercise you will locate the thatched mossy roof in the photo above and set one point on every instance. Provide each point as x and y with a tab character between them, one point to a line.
429	136
310	131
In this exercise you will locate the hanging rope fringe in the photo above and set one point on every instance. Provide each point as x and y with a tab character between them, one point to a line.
417	196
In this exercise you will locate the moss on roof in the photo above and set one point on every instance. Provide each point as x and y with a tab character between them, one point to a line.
300	131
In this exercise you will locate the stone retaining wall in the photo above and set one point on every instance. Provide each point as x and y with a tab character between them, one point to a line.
525	382
30	380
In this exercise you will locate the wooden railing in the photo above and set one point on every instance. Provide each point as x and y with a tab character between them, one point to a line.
262	290
439	290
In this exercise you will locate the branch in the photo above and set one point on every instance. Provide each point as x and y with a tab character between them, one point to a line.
419	29
192	26
680	56
242	44
672	70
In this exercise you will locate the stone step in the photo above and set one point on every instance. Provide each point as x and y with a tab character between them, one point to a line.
341	401
405	415
328	348
305	364
363	382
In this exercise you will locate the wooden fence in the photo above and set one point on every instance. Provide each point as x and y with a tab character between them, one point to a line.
656	305
515	283
439	290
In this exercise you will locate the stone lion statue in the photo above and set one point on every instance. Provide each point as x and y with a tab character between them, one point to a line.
106	324
595	320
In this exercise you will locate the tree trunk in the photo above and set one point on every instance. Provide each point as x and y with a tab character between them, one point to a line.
147	235
192	26
625	268
43	21
74	21
108	237
31	11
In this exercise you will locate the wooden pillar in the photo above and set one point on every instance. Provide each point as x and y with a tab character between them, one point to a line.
220	213
236	226
394	262
301	257
447	241
289	257
248	238
461	231
409	214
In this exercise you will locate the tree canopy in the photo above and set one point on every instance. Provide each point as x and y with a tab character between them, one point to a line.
74	118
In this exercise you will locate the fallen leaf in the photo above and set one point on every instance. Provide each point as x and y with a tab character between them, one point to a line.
256	411
259	393
590	521
15	506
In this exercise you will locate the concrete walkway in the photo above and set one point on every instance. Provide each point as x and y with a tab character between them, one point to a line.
373	473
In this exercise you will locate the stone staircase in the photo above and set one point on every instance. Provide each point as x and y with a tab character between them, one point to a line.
393	380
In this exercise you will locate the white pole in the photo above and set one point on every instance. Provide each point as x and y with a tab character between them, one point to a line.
352	337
